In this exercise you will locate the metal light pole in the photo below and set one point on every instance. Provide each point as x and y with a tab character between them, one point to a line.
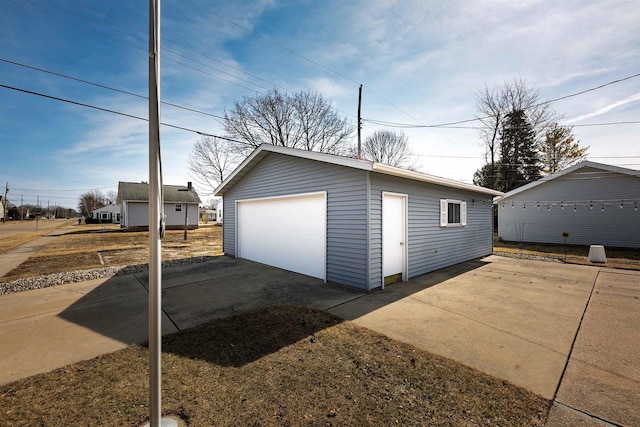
156	225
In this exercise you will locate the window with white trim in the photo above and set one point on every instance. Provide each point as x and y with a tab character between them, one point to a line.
178	208
453	213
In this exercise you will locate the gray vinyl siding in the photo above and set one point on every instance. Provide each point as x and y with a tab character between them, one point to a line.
280	175
612	227
430	247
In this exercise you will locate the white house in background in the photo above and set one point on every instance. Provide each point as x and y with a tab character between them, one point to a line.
106	214
596	204
180	205
207	215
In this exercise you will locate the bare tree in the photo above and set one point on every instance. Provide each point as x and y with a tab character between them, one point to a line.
90	201
388	147
305	120
111	197
560	149
211	160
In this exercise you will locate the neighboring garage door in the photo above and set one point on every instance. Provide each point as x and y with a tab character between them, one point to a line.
288	232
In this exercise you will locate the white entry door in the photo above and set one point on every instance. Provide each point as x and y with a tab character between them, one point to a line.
288	232
394	237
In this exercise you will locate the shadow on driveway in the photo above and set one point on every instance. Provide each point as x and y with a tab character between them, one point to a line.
198	293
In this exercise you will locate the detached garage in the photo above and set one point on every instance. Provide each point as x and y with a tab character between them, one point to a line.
351	221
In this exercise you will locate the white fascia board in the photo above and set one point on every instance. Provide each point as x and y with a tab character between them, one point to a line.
417	176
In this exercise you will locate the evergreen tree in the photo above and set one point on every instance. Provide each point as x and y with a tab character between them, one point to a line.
519	163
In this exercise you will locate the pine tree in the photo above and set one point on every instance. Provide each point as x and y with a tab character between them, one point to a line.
519	163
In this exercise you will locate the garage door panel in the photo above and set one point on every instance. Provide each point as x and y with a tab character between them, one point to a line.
286	232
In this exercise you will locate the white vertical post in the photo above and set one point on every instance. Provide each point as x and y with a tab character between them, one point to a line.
155	206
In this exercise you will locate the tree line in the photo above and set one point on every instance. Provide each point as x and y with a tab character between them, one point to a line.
520	134
521	137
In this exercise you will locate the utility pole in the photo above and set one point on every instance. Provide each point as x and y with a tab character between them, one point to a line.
4	203
186	210
359	123
21	207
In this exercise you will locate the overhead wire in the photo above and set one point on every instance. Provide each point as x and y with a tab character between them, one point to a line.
135	36
106	87
133	45
107	110
451	124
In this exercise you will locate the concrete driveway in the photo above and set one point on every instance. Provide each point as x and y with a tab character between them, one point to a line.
562	331
566	332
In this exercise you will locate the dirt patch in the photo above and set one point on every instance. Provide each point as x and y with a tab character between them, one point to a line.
276	366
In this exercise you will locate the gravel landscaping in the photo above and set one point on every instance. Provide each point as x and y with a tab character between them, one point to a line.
39	282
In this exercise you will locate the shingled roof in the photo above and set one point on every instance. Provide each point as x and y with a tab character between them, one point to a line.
139	192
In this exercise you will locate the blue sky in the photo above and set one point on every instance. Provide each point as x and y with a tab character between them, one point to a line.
421	62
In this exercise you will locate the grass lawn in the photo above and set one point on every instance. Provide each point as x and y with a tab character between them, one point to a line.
94	246
277	366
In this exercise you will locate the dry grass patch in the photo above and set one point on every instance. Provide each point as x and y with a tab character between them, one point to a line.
279	366
628	258
15	239
92	245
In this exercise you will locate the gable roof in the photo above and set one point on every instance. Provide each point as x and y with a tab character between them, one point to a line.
108	208
570	169
366	165
139	192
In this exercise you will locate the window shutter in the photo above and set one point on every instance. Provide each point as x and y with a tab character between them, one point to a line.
463	213
443	212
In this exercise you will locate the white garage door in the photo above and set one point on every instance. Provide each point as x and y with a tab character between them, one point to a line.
287	232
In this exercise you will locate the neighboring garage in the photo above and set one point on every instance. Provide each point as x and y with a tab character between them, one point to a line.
351	221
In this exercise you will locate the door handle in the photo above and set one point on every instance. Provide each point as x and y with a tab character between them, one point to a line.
401	243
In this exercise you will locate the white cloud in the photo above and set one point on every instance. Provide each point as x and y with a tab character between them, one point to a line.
607	108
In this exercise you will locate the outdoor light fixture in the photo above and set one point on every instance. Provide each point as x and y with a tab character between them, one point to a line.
621	204
591	206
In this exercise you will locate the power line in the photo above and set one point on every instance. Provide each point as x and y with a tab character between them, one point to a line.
135	36
106	87
63	191
452	124
135	46
81	104
388	124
